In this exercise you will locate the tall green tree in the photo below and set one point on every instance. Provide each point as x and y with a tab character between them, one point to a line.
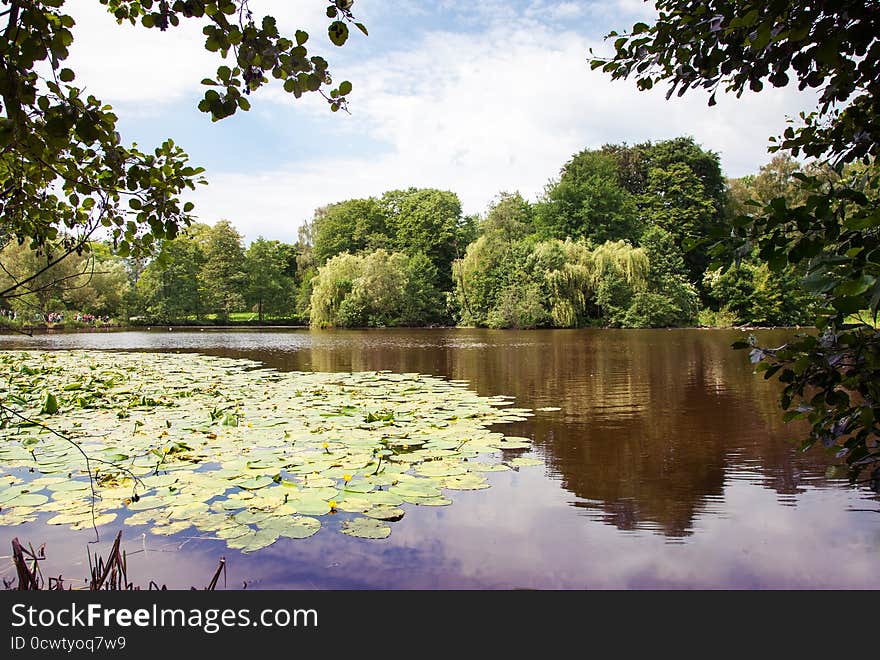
428	221
588	201
306	268
354	225
423	302
168	289
510	217
833	46
269	286
222	279
103	288
675	200
670	298
490	265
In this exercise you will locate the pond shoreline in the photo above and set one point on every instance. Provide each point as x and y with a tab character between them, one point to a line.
61	327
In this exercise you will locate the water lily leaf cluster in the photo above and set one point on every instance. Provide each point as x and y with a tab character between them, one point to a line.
225	449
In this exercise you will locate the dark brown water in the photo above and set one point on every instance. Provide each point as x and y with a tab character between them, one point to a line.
667	467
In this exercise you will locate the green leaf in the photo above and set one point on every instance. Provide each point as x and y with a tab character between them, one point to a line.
49	404
338	32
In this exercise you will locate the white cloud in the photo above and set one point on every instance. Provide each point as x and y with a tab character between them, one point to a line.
140	69
478	114
146	69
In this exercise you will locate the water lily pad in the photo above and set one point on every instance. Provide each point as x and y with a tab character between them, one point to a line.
416	488
293	527
233	531
171	527
11	493
360	486
476	466
70	485
385	512
382	497
465	482
28	500
366	528
513	445
428	501
440	469
87	523
253	541
253	483
311	506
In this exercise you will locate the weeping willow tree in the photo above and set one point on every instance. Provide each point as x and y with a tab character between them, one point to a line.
573	273
361	290
492	267
568	280
331	286
620	256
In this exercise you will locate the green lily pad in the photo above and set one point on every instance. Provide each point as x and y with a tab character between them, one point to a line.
440	469
428	501
252	541
29	500
311	506
358	487
385	512
254	483
293	527
465	482
513	445
476	466
366	528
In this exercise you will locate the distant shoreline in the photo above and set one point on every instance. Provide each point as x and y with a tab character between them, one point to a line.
168	327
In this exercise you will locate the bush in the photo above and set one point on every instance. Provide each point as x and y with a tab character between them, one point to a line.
723	318
651	310
377	289
518	307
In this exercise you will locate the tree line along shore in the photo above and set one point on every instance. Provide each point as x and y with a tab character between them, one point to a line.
622	237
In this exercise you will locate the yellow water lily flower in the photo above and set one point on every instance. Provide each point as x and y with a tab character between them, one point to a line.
346	478
332	504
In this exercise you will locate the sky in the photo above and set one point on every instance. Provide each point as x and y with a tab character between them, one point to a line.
473	97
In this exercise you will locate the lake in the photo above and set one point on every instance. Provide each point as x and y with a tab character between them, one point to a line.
667	467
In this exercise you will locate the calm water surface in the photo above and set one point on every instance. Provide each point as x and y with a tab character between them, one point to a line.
667	467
